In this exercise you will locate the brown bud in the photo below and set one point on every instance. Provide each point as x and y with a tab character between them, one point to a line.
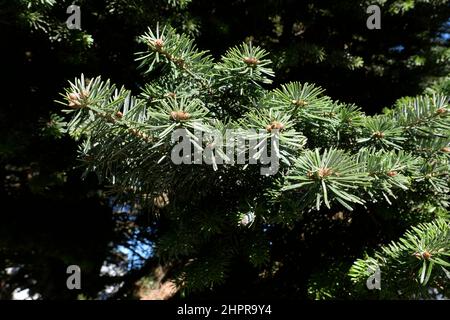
426	255
445	149
119	115
179	115
74	100
378	134
84	94
325	172
75	104
392	173
251	61
73	96
275	125
159	44
300	103
441	110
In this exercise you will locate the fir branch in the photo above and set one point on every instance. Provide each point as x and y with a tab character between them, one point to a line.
327	177
419	258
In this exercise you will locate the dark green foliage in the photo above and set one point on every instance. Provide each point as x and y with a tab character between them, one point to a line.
327	43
